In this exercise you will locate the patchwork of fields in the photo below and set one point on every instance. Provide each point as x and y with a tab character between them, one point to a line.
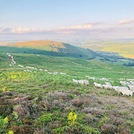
123	48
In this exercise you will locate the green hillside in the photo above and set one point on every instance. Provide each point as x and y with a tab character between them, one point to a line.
53	48
93	67
60	49
40	44
37	95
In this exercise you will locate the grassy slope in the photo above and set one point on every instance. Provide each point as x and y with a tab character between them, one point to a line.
95	68
43	101
44	45
49	48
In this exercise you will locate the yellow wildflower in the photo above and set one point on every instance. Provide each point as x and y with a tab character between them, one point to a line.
72	118
70	115
6	120
75	116
4	89
10	132
13	76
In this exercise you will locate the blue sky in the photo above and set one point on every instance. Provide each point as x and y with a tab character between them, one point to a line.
66	19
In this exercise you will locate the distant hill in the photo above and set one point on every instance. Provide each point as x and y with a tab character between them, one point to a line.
123	48
51	48
60	49
40	44
3	43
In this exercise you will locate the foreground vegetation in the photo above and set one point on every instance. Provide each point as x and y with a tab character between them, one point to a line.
44	100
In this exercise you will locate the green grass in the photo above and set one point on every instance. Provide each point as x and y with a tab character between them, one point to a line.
123	48
39	102
66	51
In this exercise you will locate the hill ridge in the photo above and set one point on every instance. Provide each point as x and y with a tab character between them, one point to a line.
53	48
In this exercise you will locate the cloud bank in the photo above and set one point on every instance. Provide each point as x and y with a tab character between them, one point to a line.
119	29
126	22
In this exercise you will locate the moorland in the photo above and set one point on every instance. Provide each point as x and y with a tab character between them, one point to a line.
38	94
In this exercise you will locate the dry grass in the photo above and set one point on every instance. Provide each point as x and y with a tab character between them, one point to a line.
123	50
40	44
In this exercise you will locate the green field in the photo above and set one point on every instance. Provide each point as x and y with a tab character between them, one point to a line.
44	100
123	48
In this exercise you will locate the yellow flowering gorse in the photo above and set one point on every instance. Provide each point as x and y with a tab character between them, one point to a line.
4	89
6	120
10	132
72	118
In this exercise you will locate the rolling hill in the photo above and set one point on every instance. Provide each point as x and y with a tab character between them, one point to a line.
51	48
37	92
40	44
60	49
3	43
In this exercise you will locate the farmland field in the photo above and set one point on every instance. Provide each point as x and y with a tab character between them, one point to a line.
123	48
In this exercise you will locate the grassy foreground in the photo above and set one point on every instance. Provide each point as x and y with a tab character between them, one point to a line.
48	102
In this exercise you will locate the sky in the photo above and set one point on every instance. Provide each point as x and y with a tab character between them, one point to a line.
66	19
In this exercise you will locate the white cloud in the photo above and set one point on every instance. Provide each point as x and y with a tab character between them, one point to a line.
5	30
126	22
78	27
61	30
20	30
84	30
